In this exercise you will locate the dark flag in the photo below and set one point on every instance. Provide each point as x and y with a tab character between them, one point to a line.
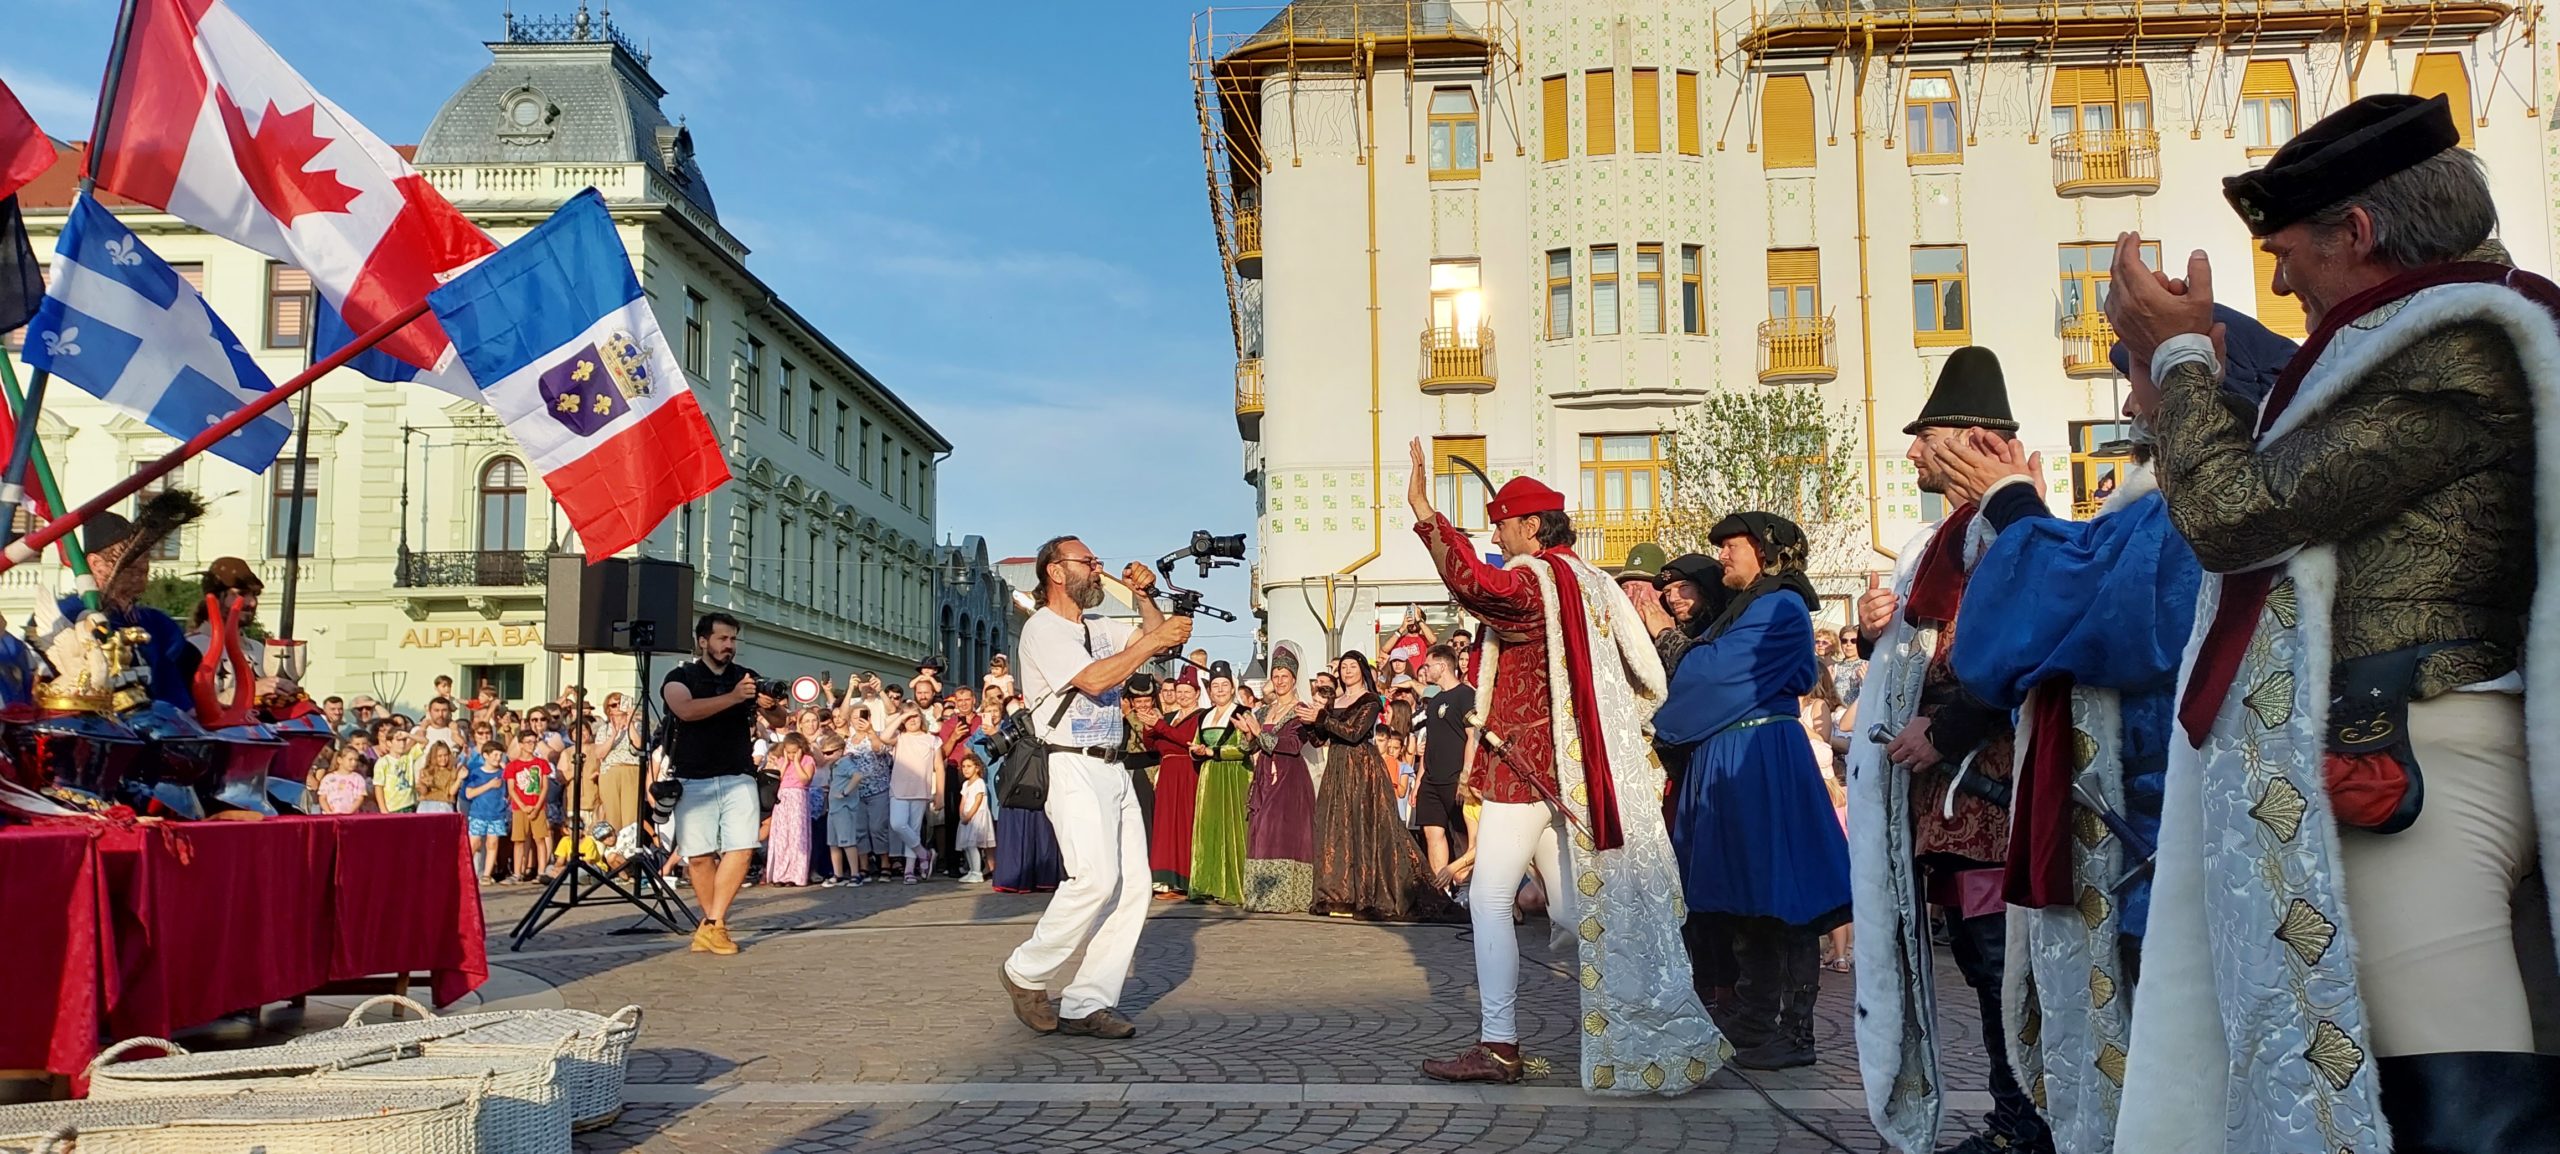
25	152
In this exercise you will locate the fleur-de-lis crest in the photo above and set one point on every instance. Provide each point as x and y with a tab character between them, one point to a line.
64	342
124	250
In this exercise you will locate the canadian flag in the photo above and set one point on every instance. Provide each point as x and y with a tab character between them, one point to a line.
211	125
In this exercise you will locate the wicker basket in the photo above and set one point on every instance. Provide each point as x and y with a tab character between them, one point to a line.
182	1072
527	1108
441	1120
591	1071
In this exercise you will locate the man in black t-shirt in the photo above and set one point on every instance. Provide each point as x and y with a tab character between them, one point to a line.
1444	753
711	712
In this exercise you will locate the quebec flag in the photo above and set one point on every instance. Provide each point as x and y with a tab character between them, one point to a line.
122	324
557	332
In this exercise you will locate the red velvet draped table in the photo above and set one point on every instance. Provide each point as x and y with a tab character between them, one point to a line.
186	922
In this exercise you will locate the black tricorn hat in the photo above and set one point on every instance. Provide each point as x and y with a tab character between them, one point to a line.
2343	154
1970	394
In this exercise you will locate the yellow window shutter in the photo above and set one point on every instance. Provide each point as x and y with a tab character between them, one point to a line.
1686	94
1446	452
1786	123
2441	74
2080	85
1600	112
1648	91
1789	266
1551	101
2282	314
2133	86
2268	78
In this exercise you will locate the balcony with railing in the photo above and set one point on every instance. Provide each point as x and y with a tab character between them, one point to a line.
2086	510
1605	535
1795	349
469	567
1457	360
2087	339
2106	163
1249	398
1248	242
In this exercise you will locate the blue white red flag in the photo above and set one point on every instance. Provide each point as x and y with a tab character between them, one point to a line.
122	324
566	349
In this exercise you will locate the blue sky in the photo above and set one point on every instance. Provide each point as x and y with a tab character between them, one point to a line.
997	207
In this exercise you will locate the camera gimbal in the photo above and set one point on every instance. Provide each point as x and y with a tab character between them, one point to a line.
1209	551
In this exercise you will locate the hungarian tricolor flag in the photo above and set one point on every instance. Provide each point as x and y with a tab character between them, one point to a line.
211	125
565	347
25	152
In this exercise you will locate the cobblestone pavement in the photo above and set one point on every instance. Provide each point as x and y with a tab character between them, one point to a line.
868	1019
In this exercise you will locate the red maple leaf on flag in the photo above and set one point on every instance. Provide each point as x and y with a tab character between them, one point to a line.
272	160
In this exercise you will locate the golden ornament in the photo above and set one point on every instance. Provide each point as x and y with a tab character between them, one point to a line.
2280	807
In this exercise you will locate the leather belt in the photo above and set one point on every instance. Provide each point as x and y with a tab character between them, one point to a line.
1096	752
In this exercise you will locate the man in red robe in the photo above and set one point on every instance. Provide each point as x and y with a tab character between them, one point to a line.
1569	671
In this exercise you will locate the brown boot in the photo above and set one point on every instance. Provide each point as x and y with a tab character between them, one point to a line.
1032	1006
1482	1062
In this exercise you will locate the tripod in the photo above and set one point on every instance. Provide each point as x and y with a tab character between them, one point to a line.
580	880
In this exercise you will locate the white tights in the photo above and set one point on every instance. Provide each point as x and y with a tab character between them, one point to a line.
1508	838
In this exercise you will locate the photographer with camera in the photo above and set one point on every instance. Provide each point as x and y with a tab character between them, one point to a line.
711	716
1073	667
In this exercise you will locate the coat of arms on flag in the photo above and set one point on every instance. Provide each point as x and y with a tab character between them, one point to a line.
596	383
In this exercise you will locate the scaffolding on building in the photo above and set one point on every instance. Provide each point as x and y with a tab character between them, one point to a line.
1234	50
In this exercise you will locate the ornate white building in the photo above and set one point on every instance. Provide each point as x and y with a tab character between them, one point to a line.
425	531
1533	231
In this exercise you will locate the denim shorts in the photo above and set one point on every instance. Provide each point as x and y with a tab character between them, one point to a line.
488	827
717	815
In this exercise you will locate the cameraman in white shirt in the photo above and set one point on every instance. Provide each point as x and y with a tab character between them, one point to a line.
1066	655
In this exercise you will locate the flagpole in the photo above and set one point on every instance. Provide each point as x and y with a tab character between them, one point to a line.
13	480
301	489
26	548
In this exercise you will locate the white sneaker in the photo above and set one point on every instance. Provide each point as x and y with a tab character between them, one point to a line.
973	879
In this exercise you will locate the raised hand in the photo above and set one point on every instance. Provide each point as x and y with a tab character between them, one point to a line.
2147	308
1876	607
1417	488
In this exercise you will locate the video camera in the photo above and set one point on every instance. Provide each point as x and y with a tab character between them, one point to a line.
1209	551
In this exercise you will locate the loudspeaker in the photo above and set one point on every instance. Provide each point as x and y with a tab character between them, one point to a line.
584	605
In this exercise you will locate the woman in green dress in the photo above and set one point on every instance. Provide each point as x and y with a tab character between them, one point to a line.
1217	833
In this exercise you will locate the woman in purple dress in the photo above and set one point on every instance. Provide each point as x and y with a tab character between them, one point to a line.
1279	855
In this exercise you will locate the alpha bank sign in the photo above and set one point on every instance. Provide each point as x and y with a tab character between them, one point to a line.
527	635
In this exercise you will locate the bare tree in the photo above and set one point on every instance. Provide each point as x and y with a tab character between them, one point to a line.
1776	449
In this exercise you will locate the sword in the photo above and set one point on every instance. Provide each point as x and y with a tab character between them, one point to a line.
2085	792
1966	781
1502	753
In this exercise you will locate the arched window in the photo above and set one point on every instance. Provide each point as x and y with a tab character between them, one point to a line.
502	506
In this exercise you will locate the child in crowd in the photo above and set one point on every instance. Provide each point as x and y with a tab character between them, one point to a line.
527	775
876	838
786	851
844	810
439	779
590	849
1391	751
395	773
484	799
344	788
976	837
915	787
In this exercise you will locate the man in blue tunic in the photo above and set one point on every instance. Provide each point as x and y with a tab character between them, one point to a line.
2079	627
1760	849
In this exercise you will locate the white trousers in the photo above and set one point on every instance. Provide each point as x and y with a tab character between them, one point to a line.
1102	841
1508	838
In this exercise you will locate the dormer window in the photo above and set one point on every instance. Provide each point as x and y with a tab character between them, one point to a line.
525	116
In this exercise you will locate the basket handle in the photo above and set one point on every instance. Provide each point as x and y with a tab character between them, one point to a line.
111	1053
369	1058
63	1140
395	1000
627	1017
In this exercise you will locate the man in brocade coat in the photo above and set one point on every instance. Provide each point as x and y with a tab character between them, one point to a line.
2333	961
1569	782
